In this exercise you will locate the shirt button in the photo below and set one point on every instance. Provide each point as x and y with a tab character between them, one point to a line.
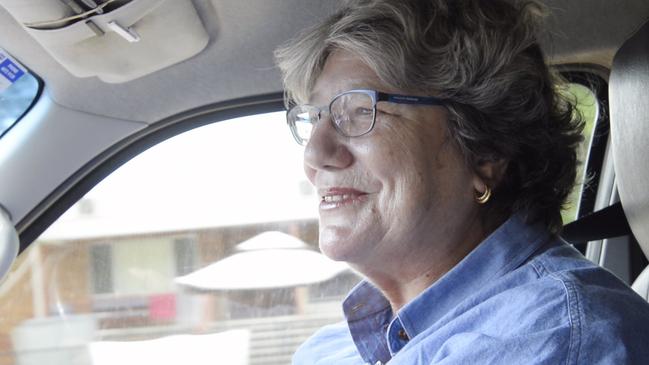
403	335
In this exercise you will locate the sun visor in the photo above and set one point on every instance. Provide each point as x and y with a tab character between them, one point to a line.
114	40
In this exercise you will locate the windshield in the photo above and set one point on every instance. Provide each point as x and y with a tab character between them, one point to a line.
18	89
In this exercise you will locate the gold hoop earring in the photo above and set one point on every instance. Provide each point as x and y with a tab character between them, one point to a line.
484	198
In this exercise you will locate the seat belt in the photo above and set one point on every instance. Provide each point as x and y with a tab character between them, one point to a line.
605	223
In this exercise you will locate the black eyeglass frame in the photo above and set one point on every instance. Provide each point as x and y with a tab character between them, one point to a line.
375	95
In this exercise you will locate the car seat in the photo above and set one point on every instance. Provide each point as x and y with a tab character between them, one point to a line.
629	117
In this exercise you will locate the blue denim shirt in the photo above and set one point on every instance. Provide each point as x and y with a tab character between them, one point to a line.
521	297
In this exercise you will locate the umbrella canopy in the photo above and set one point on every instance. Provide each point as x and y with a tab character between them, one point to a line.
271	240
269	260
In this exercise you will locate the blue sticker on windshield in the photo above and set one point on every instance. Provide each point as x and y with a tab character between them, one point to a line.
10	70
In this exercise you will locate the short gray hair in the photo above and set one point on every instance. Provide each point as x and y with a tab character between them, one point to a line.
483	56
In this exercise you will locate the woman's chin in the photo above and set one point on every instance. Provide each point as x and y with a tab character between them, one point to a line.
336	243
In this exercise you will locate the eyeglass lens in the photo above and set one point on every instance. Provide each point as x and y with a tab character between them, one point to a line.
352	114
301	120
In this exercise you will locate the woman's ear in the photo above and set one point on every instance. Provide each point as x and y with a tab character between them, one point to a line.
489	173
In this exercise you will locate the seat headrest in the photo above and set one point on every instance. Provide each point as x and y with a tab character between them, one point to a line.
629	108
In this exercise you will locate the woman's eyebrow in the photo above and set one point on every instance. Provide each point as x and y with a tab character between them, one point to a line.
352	84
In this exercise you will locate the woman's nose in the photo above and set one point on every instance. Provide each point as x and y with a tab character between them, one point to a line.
327	149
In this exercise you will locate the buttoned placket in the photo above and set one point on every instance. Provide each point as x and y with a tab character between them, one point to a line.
397	337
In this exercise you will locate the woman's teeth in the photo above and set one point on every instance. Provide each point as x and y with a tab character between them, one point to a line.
335	198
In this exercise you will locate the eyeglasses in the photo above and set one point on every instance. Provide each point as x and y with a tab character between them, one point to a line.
353	112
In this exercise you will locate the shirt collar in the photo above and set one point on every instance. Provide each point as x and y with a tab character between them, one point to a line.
368	313
507	248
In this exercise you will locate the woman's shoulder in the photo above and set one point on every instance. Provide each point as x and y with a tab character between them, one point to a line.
607	319
589	291
565	268
558	306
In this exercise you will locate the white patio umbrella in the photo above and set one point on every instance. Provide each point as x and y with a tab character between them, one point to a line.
268	260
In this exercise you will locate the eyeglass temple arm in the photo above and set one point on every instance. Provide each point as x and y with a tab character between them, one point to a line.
407	99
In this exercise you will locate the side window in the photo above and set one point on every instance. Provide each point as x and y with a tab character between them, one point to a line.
595	187
203	249
583	90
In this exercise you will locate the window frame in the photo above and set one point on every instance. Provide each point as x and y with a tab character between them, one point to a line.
83	180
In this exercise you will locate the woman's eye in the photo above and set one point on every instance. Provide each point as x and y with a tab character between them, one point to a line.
385	112
363	111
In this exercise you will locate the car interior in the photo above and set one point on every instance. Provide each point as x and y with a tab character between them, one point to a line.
153	207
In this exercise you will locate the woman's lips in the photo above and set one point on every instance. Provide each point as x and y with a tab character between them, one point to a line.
339	197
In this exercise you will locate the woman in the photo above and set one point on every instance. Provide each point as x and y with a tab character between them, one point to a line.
443	152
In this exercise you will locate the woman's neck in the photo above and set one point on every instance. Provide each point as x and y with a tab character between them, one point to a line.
403	278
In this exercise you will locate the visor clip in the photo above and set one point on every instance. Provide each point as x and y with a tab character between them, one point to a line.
127	33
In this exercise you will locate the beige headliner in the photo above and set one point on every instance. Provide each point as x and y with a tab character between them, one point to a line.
238	60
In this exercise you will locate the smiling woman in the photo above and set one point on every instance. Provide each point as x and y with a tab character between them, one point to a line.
392	192
450	211
438	156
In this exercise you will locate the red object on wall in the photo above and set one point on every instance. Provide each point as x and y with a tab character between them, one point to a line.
162	307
